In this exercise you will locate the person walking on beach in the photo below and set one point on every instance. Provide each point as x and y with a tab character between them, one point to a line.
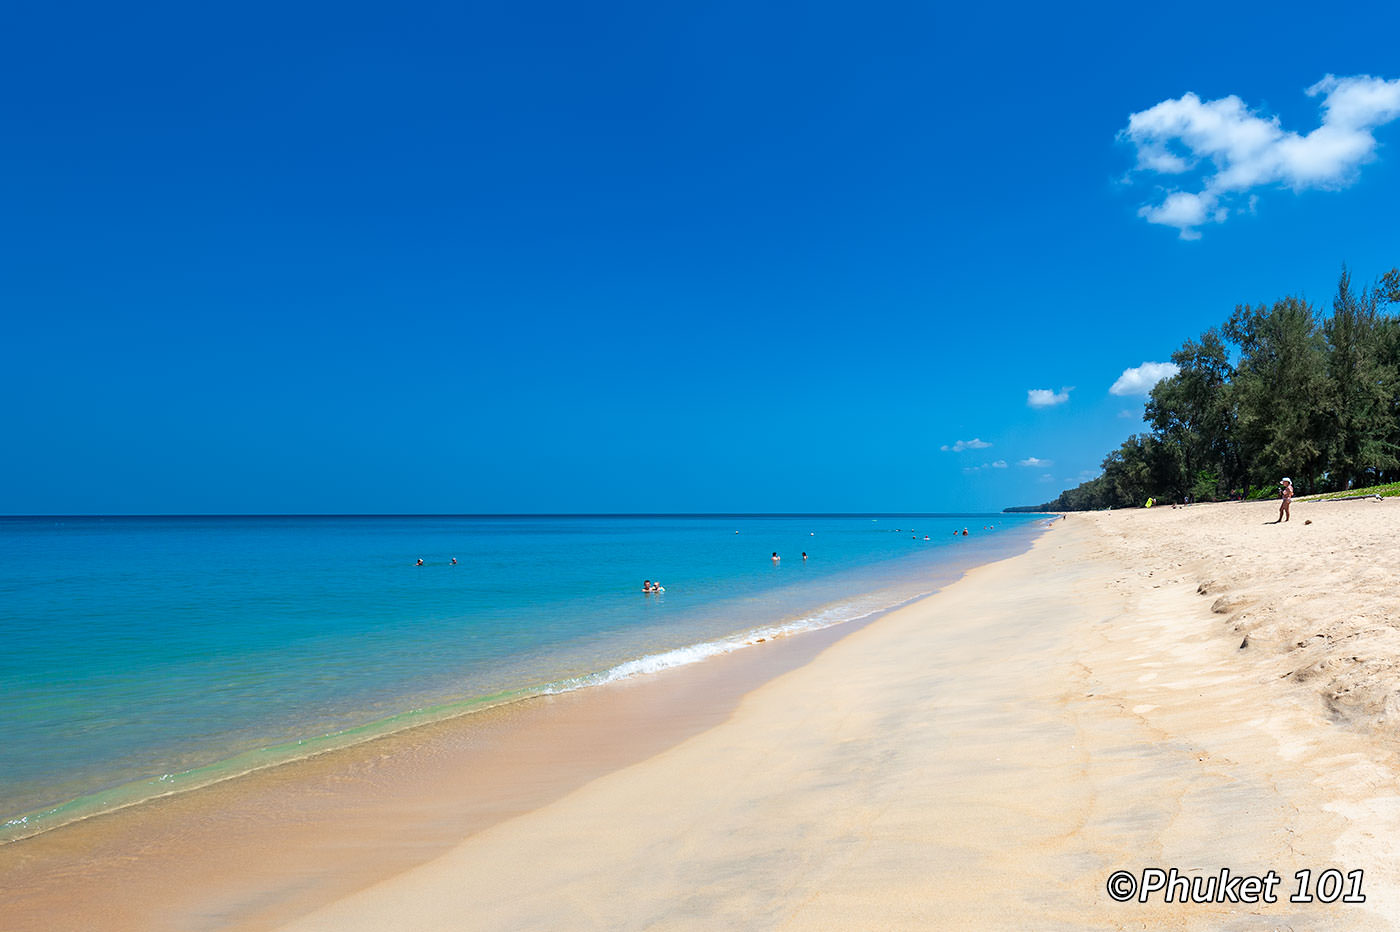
1286	488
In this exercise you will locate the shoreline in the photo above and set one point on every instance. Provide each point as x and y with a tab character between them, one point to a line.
521	753
240	760
248	763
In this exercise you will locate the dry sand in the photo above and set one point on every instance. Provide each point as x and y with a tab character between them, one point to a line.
988	757
985	758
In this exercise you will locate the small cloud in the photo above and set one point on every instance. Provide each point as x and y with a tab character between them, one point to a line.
973	444
1046	478
999	464
1034	461
1126	413
1045	398
1139	381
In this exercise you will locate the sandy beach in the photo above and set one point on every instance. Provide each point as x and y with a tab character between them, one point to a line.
1195	688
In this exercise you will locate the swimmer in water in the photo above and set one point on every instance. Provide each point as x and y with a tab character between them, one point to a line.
454	561
804	556
420	561
776	558
646	585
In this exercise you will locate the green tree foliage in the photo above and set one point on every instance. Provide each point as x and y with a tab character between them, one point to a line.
1191	414
1276	390
1361	382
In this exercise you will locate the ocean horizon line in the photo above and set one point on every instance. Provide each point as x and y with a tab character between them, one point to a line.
526	514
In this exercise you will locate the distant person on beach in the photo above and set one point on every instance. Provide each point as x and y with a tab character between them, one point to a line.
1285	487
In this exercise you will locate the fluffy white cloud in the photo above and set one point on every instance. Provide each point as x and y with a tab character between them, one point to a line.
1045	398
1237	149
1139	381
958	447
1034	461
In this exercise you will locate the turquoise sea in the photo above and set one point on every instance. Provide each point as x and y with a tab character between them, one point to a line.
142	655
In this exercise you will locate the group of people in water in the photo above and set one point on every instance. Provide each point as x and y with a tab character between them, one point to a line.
648	586
962	533
421	563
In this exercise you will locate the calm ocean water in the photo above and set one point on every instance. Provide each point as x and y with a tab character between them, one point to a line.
142	655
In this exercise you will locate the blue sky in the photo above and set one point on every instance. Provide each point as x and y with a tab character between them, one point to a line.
534	257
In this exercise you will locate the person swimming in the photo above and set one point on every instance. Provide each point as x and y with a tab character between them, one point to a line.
776	558
420	561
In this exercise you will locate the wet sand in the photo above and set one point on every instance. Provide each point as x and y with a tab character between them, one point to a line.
985	758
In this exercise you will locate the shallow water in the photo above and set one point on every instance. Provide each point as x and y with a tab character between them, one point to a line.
140	655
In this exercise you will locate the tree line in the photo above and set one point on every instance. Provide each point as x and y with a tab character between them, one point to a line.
1310	396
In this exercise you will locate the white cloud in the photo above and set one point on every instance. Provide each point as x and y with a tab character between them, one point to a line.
1139	381
1236	149
1034	461
1045	398
998	464
958	447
